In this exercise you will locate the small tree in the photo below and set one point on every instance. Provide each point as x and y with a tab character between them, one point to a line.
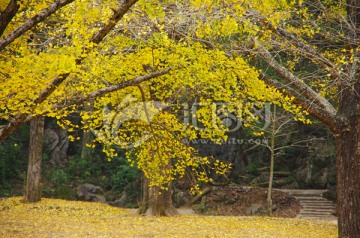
280	133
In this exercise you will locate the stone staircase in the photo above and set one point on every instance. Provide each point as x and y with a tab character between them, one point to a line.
314	205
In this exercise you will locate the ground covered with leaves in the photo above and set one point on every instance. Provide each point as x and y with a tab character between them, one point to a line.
60	218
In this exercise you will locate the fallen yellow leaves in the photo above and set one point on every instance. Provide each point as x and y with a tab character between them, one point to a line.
60	218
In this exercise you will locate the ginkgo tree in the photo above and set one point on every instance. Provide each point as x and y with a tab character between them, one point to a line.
58	56
37	65
310	50
145	119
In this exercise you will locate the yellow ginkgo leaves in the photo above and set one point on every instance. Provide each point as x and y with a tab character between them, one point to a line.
60	218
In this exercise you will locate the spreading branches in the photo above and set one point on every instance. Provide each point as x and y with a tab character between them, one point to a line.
328	111
301	47
7	130
300	99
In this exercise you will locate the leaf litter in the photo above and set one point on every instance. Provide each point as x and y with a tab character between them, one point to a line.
61	218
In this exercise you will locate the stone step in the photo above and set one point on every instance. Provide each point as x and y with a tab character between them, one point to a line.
320	213
317	216
327	217
318	206
311	203
318	202
311	198
305	192
314	205
315	200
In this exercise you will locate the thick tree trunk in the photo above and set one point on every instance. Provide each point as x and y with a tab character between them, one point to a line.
32	190
348	139
156	202
348	164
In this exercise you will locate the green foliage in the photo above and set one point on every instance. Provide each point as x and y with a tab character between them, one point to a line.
124	175
114	176
59	177
79	168
252	168
13	160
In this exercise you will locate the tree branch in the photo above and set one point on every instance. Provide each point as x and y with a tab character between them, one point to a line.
118	15
19	119
302	48
295	82
303	101
111	88
304	95
7	130
32	22
7	15
50	88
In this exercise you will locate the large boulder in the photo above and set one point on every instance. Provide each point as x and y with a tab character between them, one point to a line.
320	179
181	198
56	144
255	209
121	202
90	192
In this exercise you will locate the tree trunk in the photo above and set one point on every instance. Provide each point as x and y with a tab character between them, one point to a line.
348	139
348	163
272	155
32	190
85	151
87	135
156	202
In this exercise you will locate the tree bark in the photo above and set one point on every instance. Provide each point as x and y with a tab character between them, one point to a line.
156	201
7	15
348	164
32	191
348	139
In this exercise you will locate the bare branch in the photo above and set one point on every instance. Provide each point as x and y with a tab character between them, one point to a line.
299	143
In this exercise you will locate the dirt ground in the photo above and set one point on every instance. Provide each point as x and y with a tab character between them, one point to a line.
236	200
